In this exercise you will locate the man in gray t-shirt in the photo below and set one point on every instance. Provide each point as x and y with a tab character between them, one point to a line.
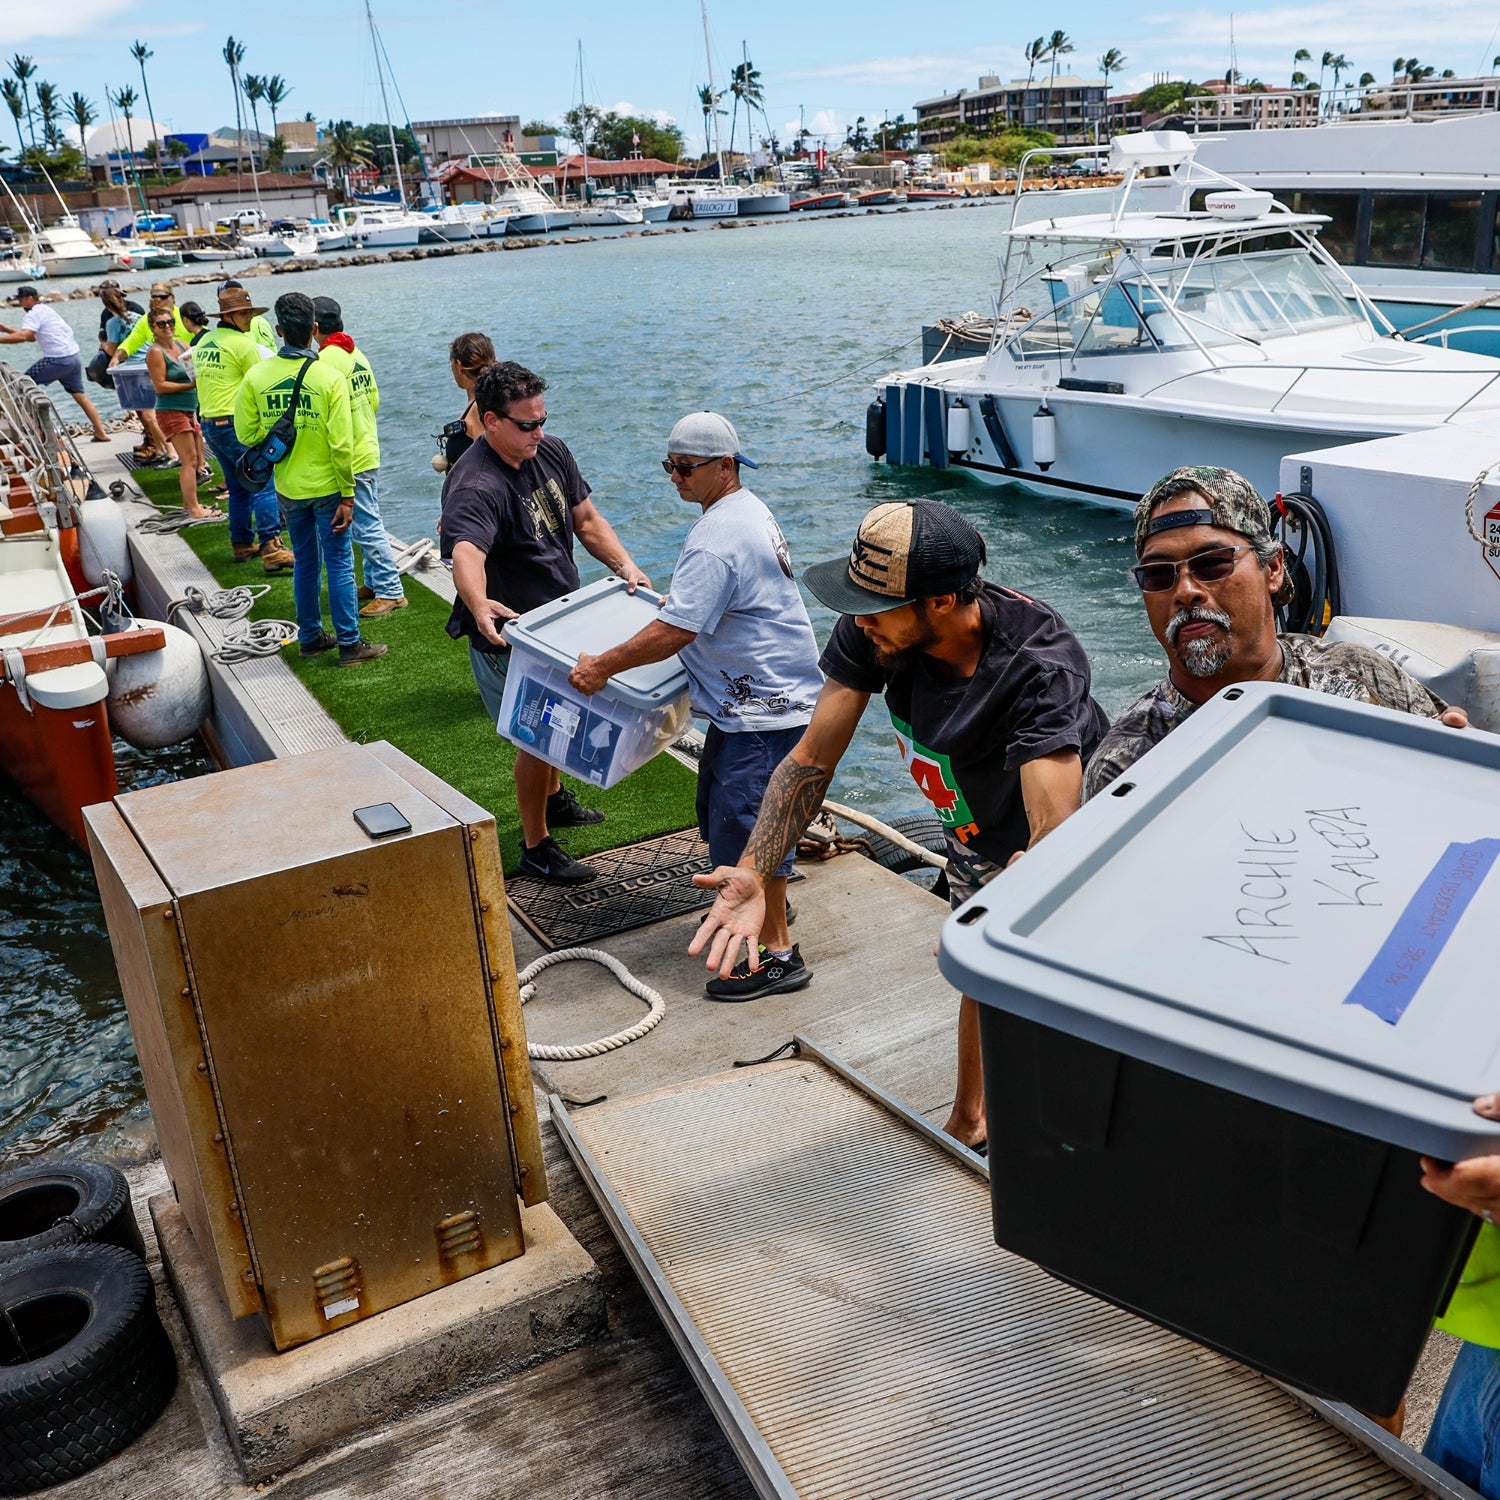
736	621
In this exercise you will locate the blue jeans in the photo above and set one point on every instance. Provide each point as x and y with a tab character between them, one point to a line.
732	775
310	525
369	536
252	517
1465	1435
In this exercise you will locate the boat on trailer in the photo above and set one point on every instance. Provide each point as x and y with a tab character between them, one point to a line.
1134	332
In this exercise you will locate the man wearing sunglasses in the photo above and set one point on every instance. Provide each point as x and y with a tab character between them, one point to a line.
512	505
739	626
1211	574
988	693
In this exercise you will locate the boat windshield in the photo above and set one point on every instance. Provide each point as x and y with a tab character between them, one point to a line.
1177	304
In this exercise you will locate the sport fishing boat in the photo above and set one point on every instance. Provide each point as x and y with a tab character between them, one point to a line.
606	210
377	228
447	225
329	236
1410	205
1134	332
66	250
286	237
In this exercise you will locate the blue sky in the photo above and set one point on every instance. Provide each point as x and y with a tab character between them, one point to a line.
834	62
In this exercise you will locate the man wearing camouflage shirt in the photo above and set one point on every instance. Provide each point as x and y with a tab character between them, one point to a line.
1211	574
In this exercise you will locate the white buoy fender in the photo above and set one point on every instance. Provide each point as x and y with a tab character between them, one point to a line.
1043	437
102	541
158	698
960	429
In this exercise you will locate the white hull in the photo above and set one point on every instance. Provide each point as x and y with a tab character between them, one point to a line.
333	240
602	218
12	270
556	218
765	203
714	208
656	213
85	264
391	237
282	246
450	230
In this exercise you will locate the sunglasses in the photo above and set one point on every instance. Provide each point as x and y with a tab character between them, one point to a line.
162	323
1212	566
671	466
532	426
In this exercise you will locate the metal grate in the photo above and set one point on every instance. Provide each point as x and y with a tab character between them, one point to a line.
832	1277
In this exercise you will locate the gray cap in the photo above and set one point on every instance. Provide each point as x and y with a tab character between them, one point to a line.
705	434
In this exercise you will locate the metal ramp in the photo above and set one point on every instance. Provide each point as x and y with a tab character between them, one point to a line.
825	1263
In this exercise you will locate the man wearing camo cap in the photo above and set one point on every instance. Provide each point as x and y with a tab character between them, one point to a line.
1211	573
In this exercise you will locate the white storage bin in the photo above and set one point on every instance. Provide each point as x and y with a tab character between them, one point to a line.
133	386
599	739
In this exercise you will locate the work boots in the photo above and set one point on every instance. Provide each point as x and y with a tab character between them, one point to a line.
274	558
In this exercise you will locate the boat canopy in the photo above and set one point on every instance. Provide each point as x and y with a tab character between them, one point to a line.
1148	230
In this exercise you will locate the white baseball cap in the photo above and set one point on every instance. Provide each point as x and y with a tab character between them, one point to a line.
705	434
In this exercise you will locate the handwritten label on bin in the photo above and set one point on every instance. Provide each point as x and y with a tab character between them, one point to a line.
1406	957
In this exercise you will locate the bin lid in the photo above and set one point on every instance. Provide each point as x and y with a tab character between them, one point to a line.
595	618
1293	896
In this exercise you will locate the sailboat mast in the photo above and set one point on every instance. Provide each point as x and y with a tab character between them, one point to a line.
583	123
385	105
713	97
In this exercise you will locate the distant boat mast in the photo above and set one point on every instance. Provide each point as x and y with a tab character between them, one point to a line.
385	105
713	97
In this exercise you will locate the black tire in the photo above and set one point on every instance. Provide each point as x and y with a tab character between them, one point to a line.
85	1365
922	828
49	1202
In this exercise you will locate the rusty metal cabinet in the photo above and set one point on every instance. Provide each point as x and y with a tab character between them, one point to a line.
329	1029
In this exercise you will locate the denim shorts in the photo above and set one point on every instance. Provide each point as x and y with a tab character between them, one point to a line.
67	371
732	775
490	669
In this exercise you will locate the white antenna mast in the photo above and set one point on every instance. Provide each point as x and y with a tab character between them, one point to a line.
386	107
713	97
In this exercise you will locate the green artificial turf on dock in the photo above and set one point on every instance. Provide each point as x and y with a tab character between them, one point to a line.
422	698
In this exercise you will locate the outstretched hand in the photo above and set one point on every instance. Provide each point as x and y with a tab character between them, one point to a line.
737	916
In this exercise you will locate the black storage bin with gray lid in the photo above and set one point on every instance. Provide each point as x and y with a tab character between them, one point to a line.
1226	1007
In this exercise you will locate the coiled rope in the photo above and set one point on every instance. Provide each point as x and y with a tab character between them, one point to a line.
652	1018
242	640
173	520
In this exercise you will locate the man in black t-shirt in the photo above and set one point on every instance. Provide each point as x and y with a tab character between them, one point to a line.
988	692
511	508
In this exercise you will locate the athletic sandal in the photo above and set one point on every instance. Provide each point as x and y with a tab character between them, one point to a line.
564	810
550	862
775	976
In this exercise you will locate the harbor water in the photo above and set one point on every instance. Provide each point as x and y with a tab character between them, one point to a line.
782	326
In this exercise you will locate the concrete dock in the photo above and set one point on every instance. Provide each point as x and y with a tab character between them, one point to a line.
604	1406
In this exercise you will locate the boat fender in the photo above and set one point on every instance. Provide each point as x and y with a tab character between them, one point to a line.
102	541
989	409
875	429
1043	437
159	698
960	428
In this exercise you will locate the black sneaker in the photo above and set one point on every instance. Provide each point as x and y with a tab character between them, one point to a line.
361	651
564	810
776	976
324	642
551	862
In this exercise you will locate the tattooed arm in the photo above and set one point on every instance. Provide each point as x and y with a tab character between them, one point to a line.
791	801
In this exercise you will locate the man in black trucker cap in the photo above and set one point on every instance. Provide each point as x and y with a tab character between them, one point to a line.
988	693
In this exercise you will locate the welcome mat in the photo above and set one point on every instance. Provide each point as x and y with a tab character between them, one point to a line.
636	886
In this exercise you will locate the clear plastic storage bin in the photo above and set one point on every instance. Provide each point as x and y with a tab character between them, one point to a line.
133	386
599	739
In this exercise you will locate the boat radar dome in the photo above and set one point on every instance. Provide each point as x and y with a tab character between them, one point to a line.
1150	148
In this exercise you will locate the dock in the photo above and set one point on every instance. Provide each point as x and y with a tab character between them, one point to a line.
611	1406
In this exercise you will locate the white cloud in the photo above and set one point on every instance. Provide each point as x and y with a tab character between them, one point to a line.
936	70
820	123
660	116
21	21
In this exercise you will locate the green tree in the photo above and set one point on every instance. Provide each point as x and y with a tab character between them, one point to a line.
1299	80
277	90
83	115
897	134
140	52
745	85
10	91
1058	45
346	149
1162	98
1300	56
275	153
1112	62
616	135
1323	67
1035	52
124	100
1366	79
254	87
535	128
234	55
24	70
708	102
48	108
580	124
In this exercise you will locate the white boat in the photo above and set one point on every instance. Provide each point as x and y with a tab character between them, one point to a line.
449	225
17	265
764	200
378	228
1130	340
329	236
656	206
1408	201
609	209
65	250
707	200
281	242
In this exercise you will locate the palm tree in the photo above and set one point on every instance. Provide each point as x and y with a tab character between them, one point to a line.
140	52
234	55
745	85
1300	56
1112	62
1035	52
1398	68
255	90
124	100
48	105
1057	45
276	91
24	69
1340	65
10	91
83	116
1299	79
708	102
1366	79
347	150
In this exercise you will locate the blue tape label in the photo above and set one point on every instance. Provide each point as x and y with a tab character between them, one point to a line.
1406	957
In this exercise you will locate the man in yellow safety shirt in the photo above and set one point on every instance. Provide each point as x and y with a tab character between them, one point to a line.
315	480
223	357
260	329
1465	1434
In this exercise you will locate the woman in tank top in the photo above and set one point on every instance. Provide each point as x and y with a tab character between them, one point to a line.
167	363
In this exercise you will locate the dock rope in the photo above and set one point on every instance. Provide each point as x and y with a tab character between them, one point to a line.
1474	489
242	640
174	519
657	1010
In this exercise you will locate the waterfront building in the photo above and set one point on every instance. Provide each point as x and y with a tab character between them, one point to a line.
457	140
195	202
1067	105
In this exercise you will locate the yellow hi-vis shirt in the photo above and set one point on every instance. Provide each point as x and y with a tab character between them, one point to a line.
141	334
222	357
364	402
263	334
1474	1309
322	459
